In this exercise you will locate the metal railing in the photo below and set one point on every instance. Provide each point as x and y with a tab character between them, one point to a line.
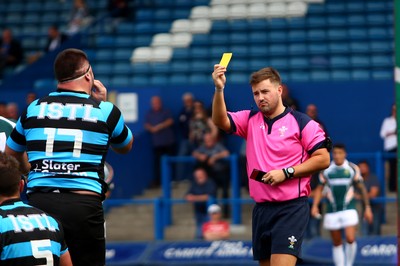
163	204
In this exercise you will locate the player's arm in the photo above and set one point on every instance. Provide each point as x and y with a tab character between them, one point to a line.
22	158
219	113
65	259
124	149
318	161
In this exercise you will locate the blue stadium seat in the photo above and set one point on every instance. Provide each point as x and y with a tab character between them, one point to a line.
260	37
122	68
163	14
355	6
376	6
316	22
198	78
180	13
220	25
144	27
120	81
45	84
316	9
297	35
357	33
355	20
239	65
181	53
159	80
258	63
15	6
277	36
144	14
360	74
298	48
278	49
383	74
50	18
340	75
178	79
217	51
298	62
125	28
200	66
140	80
297	23
360	61
382	61
316	35
124	41
336	7
201	40
338	47
31	18
240	50
280	63
258	24
180	66
339	62
320	75
238	38
104	55
239	25
238	78
258	50
161	27
299	76
219	38
336	21
105	41
162	68
102	68
381	46
13	18
200	52
359	47
318	48
377	20
32	6
142	40
51	6
378	33
123	54
278	23
337	34
140	68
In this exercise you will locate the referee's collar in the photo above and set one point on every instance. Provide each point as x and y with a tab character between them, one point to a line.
66	90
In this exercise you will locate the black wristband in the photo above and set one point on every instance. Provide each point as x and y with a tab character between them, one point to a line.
286	173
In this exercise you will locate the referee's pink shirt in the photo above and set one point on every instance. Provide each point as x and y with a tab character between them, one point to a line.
275	144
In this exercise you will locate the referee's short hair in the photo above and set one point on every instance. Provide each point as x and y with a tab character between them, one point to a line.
70	63
10	175
265	73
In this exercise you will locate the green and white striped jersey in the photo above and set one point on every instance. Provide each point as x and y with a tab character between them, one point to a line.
338	181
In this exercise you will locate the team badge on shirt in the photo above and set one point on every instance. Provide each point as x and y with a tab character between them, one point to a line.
282	131
292	241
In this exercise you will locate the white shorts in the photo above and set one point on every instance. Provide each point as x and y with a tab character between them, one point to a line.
341	219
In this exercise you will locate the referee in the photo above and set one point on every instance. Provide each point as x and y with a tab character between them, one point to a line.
28	236
67	135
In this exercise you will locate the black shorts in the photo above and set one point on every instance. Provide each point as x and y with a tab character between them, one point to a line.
82	218
278	227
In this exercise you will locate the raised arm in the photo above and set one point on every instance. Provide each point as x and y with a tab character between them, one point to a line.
219	113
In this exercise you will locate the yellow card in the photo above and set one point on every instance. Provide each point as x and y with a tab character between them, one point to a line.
226	57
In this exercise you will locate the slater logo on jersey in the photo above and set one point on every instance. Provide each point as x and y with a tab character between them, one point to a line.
56	111
60	168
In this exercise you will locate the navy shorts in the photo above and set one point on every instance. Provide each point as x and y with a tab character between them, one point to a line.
278	227
82	218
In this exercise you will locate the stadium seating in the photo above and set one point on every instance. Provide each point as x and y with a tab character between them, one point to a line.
308	40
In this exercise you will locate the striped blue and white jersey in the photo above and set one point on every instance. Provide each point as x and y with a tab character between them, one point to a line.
67	135
28	236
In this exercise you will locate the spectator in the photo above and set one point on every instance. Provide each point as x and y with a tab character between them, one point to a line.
55	39
201	191
3	109
159	123
287	99
185	147
373	189
339	181
12	111
200	124
215	228
211	155
389	135
312	112
119	9
11	52
25	229
29	98
80	17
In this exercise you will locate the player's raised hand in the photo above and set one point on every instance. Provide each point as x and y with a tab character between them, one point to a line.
219	76
99	91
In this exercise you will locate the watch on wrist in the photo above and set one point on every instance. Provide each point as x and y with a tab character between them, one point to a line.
289	172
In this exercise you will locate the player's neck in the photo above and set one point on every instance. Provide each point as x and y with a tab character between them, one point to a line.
278	110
